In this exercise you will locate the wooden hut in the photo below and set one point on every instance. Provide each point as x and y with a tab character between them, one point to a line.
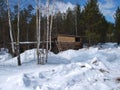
64	42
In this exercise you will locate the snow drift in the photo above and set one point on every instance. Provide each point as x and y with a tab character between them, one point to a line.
94	68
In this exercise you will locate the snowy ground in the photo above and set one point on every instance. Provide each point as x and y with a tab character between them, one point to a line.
94	68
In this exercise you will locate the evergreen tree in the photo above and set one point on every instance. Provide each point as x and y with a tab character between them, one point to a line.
3	9
30	24
93	22
70	22
78	20
110	32
1	21
102	29
58	23
117	25
32	29
26	16
4	35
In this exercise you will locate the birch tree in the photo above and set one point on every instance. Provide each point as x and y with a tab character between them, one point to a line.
10	27
37	25
51	23
18	33
40	53
47	37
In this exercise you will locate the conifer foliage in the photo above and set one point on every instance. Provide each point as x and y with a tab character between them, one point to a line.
93	22
117	25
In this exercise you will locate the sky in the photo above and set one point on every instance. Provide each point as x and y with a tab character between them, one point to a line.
107	7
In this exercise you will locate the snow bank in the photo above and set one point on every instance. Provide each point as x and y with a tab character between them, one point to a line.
4	55
107	45
74	76
85	69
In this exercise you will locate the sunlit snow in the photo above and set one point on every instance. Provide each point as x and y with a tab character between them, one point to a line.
93	68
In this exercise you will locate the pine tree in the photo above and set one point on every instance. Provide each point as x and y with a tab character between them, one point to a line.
25	19
32	29
58	23
110	32
93	22
117	25
4	35
78	20
70	22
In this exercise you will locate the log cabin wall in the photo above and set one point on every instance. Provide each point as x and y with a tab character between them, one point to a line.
65	42
65	39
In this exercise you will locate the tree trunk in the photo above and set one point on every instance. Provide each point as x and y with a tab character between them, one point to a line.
38	30
18	33
47	38
51	25
10	28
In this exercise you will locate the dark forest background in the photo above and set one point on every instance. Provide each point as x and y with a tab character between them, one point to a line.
89	23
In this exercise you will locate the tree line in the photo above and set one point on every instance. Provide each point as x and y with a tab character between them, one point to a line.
88	22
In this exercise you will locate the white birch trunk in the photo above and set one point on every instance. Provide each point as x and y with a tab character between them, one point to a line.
10	28
38	29
18	30
47	38
18	33
37	6
51	24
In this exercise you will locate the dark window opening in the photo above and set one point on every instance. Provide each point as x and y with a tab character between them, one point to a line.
77	39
